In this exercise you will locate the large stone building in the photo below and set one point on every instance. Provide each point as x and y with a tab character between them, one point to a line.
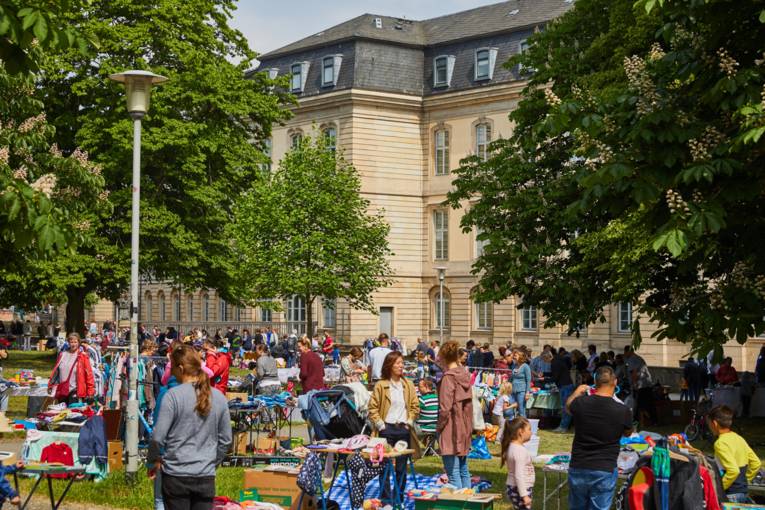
405	101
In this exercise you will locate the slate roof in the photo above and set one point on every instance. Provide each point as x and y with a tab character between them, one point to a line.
494	18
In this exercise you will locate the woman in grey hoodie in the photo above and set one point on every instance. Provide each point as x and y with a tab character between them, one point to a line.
191	437
455	416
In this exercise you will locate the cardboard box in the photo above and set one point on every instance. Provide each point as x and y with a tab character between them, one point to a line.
114	455
276	487
230	395
264	446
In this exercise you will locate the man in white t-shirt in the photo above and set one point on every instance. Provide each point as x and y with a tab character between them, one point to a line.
377	357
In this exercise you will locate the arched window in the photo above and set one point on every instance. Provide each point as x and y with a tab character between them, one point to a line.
176	306
222	310
295	139
190	307
442	152
147	308
162	308
205	307
484	315
330	138
482	140
296	309
438	303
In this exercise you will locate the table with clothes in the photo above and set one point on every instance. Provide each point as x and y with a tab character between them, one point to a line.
85	449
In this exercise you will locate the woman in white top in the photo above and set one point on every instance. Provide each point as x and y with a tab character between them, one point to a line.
393	409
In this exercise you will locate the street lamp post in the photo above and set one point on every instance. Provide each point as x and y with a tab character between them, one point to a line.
441	314
138	85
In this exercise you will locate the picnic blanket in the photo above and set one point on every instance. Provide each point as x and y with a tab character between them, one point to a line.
340	494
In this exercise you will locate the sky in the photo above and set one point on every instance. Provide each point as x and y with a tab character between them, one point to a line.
271	24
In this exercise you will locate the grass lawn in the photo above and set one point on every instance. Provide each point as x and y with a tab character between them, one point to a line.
116	493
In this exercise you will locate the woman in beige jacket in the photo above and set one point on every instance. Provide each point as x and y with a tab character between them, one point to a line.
393	409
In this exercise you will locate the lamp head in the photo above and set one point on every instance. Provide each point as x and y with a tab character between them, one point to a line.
138	85
441	273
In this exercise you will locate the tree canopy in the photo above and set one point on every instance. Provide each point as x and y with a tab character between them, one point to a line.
634	172
307	231
201	147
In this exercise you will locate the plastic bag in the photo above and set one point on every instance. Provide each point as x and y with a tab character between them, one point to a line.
479	449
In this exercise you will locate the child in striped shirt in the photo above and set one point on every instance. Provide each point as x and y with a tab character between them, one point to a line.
428	407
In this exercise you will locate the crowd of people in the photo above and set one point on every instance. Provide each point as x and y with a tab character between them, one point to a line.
593	387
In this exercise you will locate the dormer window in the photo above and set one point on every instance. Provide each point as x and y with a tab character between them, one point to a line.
523	47
443	67
330	69
485	58
299	72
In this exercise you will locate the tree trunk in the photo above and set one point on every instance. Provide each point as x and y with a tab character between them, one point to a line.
309	316
75	310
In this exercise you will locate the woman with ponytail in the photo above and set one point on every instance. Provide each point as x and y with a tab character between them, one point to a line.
191	437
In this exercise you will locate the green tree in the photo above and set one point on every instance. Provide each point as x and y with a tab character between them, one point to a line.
47	200
29	28
201	144
634	172
307	231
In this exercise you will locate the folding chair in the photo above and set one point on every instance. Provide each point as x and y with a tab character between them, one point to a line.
430	440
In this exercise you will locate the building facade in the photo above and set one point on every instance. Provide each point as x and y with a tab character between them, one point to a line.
404	102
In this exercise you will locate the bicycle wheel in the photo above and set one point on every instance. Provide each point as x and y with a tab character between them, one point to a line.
691	432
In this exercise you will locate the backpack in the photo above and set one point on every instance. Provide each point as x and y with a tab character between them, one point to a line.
309	477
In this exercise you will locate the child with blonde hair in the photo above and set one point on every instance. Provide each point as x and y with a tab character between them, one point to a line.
504	408
520	470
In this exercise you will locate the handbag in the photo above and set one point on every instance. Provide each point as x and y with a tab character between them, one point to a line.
62	389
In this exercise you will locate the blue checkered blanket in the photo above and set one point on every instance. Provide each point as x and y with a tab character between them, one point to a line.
340	494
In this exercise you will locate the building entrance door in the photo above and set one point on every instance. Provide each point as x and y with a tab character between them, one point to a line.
386	320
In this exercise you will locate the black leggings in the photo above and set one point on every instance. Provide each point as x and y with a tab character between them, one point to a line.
188	492
394	434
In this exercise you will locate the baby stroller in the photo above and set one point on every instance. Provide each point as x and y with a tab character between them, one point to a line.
332	414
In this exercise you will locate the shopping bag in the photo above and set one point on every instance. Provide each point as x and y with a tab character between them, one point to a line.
479	449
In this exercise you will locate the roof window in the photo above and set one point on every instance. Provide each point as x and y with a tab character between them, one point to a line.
378	22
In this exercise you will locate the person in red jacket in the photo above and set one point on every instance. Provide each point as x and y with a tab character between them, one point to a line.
311	367
220	364
726	374
73	367
328	345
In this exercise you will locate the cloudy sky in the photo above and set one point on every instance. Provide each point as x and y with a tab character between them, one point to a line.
270	24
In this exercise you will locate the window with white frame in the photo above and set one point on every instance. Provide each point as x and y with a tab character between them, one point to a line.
485	60
205	307
480	244
440	71
238	314
296	309
329	309
295	139
328	71
482	64
484	315
625	317
162	309
222	310
523	47
176	307
265	313
482	140
330	138
147	307
529	318
190	307
442	152
265	167
441	234
437	304
296	81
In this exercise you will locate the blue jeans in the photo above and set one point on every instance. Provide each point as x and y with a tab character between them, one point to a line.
738	498
520	397
457	471
591	490
565	392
